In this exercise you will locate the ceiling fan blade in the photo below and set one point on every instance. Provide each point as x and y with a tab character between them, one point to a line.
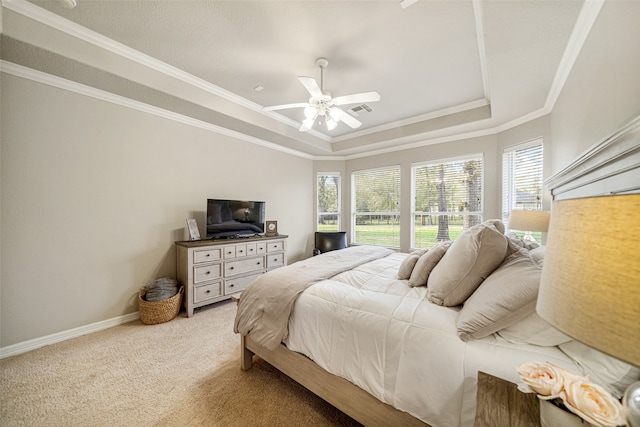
285	106
357	98
311	85
338	114
305	127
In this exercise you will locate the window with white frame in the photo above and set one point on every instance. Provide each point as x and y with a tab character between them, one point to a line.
328	193
522	179
446	199
375	206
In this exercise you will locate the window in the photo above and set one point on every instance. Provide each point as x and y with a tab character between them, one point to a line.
447	199
522	179
376	207
328	202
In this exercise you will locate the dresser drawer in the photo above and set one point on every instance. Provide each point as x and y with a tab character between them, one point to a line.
203	273
261	248
207	255
275	260
238	284
247	265
229	252
205	292
275	246
252	249
241	250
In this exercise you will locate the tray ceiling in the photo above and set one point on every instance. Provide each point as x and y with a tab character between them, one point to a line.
443	69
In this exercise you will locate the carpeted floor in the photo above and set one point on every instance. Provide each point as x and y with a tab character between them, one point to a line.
185	372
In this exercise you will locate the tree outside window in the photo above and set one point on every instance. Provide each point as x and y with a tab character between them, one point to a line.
447	199
328	191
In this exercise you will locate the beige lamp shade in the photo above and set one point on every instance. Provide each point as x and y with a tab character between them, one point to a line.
529	220
590	286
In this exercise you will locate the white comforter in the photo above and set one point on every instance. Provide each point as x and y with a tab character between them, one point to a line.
386	337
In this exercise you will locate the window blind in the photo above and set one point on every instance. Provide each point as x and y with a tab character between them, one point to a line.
522	181
328	193
447	199
376	207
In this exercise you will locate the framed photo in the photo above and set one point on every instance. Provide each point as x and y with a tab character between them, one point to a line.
192	225
271	228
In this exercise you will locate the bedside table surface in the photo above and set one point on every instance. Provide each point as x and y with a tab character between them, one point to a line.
500	403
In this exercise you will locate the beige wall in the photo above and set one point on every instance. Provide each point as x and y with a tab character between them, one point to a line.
94	195
603	89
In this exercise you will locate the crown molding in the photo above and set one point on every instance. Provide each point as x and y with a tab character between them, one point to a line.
584	23
71	86
482	52
587	17
59	23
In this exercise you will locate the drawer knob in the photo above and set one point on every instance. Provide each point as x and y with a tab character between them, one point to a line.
231	286
208	291
208	255
231	268
275	260
208	272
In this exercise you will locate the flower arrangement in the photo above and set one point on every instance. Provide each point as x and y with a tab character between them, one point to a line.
576	393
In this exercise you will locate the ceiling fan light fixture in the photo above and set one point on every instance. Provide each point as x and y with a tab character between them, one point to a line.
334	113
322	103
310	112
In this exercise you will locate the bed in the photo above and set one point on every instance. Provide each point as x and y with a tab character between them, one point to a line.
399	339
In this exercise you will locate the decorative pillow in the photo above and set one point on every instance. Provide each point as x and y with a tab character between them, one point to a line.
516	243
609	372
426	263
404	272
471	258
507	296
533	329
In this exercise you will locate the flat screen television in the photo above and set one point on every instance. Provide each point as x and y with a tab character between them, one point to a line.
228	219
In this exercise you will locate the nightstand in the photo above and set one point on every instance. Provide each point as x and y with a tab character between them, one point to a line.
500	403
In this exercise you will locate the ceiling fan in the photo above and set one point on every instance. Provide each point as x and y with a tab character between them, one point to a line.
322	103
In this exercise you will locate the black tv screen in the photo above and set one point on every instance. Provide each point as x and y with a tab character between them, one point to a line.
234	218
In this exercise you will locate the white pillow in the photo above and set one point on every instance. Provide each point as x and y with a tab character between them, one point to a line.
533	329
471	258
406	268
609	372
507	296
428	260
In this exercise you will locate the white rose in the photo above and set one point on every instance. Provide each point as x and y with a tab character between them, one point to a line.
546	379
593	404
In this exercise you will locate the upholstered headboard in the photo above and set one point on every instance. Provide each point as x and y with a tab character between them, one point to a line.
609	167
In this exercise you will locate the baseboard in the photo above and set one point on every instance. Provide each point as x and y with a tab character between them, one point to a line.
23	347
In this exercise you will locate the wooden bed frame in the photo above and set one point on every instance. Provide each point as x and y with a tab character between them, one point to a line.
606	168
349	398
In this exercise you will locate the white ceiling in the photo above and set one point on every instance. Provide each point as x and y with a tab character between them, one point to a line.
443	68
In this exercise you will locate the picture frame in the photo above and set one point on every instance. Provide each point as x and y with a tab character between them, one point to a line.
192	225
271	228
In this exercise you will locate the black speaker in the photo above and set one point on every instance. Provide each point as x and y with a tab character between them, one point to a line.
330	241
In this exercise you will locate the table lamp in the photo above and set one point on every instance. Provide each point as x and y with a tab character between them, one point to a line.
590	285
529	221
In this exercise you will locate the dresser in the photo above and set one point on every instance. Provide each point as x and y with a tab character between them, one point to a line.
213	270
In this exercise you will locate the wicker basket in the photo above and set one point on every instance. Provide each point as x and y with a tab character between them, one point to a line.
154	312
